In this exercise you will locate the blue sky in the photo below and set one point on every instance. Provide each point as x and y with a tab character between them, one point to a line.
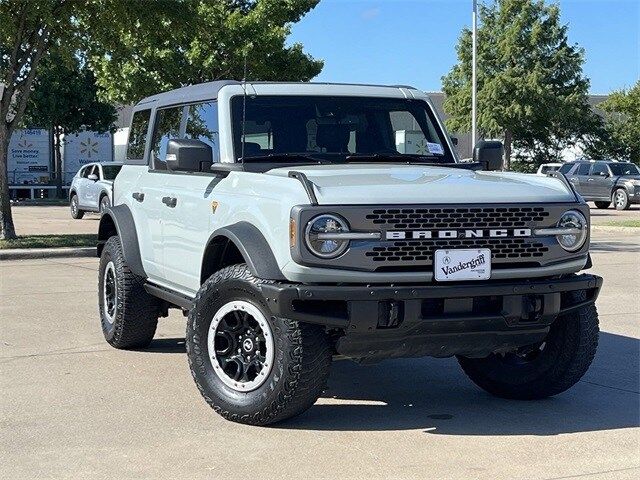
413	42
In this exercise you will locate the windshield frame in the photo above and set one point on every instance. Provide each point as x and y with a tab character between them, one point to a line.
449	157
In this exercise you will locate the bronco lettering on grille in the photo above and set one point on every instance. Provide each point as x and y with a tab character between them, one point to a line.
467	233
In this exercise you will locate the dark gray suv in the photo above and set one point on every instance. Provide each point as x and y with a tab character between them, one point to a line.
605	182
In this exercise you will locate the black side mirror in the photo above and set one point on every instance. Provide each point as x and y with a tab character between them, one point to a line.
454	140
603	174
489	153
188	155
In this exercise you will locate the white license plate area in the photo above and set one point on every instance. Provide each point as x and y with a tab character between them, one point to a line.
462	264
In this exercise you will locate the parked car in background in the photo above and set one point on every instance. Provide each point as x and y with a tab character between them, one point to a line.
605	182
92	188
548	168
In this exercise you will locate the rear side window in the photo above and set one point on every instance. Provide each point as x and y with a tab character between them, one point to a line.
202	124
138	135
566	168
599	168
583	169
167	126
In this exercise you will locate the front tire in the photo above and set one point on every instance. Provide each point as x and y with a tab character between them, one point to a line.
250	366
74	206
104	203
128	314
540	371
621	199
602	205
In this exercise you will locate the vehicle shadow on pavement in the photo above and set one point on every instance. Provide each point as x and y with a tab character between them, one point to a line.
435	396
614	246
165	345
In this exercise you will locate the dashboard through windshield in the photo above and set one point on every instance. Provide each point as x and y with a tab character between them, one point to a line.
337	128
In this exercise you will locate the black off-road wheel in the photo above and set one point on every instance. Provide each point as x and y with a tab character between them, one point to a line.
602	205
128	314
545	369
74	206
250	366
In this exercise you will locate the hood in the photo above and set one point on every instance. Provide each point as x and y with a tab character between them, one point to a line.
405	184
627	178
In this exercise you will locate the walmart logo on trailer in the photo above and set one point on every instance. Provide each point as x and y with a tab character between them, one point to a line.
88	148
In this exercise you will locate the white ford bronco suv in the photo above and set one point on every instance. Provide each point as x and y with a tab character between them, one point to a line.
298	222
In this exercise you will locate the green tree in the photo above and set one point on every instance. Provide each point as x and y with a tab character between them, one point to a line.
531	90
27	29
620	138
65	99
212	46
142	47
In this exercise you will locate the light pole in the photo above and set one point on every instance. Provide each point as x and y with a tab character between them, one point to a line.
474	86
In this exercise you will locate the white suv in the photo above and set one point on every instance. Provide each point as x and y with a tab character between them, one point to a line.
91	188
294	222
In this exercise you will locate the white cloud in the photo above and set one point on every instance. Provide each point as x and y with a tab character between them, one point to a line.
370	13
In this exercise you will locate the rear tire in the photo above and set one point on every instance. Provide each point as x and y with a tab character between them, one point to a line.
293	359
541	371
621	199
128	314
76	213
602	205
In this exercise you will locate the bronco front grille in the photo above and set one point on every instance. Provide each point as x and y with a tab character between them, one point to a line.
457	217
409	252
422	250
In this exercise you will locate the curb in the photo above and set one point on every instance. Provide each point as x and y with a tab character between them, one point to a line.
614	229
31	253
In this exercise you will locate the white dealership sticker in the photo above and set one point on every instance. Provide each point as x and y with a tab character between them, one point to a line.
435	148
462	264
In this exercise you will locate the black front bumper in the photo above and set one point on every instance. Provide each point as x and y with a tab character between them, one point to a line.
472	319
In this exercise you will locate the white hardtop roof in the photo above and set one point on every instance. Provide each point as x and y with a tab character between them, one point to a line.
210	90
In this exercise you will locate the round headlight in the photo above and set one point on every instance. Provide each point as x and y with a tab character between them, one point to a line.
576	222
318	236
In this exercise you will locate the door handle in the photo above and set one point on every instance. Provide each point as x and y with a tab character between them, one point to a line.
590	180
139	196
170	201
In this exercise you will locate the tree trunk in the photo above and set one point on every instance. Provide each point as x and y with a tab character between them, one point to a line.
7	230
58	160
506	164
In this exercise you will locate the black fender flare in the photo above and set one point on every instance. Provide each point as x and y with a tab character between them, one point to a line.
254	248
119	220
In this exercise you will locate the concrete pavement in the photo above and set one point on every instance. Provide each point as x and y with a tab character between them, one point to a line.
73	407
51	219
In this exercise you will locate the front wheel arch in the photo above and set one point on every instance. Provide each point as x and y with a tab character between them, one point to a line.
241	242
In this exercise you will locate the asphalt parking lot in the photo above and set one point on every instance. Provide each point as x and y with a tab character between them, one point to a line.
73	407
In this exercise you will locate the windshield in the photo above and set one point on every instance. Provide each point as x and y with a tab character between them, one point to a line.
110	171
624	169
338	128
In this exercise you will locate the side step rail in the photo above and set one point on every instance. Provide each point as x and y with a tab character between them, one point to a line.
175	298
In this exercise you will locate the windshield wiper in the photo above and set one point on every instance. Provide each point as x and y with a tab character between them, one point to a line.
382	157
270	157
